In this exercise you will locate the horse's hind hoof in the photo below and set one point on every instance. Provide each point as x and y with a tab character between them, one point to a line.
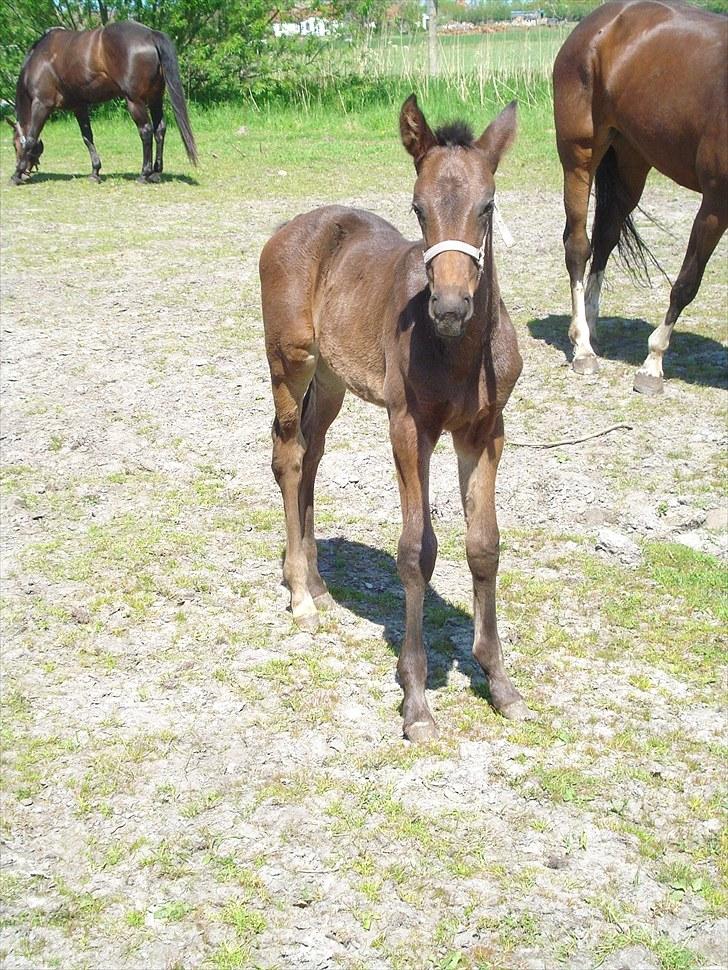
15	180
421	731
95	178
517	711
585	365
154	177
648	384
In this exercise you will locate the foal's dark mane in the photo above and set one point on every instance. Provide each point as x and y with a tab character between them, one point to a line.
456	134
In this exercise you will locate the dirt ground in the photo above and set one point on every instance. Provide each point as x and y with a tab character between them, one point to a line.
191	782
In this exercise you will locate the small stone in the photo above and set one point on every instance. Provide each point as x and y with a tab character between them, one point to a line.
716	520
594	516
618	545
557	862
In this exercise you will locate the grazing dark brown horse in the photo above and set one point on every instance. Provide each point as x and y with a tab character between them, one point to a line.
640	84
73	69
349	303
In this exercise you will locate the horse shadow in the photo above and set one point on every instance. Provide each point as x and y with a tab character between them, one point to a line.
107	177
692	358
365	580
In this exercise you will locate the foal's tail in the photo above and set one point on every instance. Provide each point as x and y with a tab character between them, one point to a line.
170	69
611	197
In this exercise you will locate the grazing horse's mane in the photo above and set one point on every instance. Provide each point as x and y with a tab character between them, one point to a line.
456	134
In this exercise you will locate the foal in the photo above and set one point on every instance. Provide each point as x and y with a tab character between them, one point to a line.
349	303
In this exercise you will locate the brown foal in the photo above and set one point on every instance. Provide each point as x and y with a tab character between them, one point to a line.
349	303
640	84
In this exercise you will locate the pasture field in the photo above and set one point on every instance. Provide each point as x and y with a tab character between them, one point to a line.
190	782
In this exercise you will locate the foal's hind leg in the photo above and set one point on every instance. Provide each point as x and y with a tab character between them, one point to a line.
84	123
138	111
290	378
320	408
477	466
708	227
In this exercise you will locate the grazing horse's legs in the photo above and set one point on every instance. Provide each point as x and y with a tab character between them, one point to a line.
628	173
477	466
708	227
290	378
320	407
39	114
160	127
84	123
138	111
416	555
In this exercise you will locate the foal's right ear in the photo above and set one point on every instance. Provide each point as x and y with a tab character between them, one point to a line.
416	134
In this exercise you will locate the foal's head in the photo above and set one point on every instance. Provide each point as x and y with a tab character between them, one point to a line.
453	200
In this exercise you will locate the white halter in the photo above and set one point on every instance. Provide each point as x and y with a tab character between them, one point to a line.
456	245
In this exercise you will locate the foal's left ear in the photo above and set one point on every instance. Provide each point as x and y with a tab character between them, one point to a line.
499	136
416	134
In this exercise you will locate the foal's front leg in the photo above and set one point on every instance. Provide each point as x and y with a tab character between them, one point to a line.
416	555
477	466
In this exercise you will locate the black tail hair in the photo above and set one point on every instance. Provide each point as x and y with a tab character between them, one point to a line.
170	69
610	194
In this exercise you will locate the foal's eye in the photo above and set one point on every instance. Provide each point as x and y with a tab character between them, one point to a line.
417	211
485	210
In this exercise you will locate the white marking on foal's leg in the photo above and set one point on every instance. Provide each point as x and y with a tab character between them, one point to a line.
585	360
591	301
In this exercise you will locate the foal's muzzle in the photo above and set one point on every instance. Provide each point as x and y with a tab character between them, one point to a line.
450	307
450	311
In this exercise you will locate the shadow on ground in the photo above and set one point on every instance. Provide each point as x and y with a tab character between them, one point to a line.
365	581
39	177
692	358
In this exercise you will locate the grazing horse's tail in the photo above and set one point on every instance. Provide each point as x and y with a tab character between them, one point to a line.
611	197
170	69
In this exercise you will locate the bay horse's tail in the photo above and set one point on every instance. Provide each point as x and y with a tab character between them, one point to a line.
170	69
611	200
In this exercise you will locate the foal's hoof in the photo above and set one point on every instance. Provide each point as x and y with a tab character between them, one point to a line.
516	711
420	732
585	365
648	384
308	622
154	177
15	180
95	178
324	601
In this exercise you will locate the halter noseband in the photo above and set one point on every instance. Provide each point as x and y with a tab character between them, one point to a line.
456	245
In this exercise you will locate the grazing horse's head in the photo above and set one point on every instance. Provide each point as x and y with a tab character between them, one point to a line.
453	201
19	143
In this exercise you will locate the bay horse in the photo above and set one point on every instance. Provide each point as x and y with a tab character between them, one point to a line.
73	69
420	329
639	84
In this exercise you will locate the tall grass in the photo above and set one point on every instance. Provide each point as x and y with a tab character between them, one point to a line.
481	69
